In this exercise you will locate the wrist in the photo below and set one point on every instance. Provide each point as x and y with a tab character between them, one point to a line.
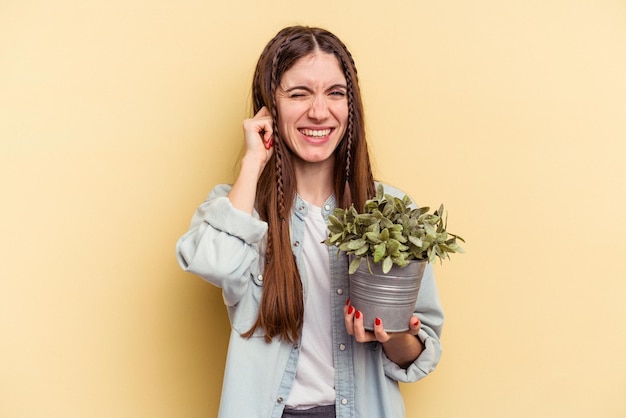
252	165
403	349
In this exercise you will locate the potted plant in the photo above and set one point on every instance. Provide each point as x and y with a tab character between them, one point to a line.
396	240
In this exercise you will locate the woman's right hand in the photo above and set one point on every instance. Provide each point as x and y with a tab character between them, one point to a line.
258	132
259	136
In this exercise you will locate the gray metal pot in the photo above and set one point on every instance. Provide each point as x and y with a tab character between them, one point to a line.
390	297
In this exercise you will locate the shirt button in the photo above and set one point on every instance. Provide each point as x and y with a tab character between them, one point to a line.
342	347
327	207
301	208
344	401
260	277
279	400
296	244
340	291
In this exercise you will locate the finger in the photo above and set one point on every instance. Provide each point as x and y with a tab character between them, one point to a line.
349	319
264	116
414	325
263	112
259	128
267	132
360	334
379	331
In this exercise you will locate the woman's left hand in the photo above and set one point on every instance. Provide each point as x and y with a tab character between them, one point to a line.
403	348
355	327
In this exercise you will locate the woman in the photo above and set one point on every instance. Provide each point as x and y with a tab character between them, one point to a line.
297	346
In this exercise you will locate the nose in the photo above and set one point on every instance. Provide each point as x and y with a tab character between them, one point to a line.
319	108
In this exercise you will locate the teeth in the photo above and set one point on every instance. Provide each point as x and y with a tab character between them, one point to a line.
316	133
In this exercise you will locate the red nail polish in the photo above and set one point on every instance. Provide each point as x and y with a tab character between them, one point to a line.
377	321
358	314
350	310
347	301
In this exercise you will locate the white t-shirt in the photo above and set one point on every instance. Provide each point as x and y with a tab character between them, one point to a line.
314	384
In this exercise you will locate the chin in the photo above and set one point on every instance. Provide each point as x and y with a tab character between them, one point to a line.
316	158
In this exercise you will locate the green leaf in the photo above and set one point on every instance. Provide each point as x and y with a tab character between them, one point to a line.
400	261
344	246
356	244
386	223
373	237
399	237
333	238
387	264
370	206
388	209
394	247
363	250
430	231
456	247
415	240
379	251
374	226
431	255
354	265
334	221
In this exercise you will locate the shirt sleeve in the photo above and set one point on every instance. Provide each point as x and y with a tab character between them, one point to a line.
428	309
222	245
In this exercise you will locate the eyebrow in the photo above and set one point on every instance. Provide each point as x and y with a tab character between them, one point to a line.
334	86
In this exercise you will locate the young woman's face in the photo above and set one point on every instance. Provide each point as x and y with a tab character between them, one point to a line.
312	107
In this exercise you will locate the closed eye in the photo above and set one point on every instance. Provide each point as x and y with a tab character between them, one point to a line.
338	91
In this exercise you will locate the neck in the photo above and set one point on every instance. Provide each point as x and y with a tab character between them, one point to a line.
315	181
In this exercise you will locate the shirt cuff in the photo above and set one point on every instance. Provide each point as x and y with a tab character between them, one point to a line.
421	367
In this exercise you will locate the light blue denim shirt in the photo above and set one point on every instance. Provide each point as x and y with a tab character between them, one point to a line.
225	247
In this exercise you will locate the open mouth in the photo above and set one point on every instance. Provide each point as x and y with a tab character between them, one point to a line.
315	133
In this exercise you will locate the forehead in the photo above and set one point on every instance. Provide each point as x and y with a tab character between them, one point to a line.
316	68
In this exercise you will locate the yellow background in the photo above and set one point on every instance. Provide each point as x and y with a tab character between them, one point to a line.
118	116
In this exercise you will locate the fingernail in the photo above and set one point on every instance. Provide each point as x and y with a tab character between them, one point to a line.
377	321
415	322
347	301
350	310
358	314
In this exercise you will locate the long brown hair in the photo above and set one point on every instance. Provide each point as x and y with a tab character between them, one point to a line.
281	311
